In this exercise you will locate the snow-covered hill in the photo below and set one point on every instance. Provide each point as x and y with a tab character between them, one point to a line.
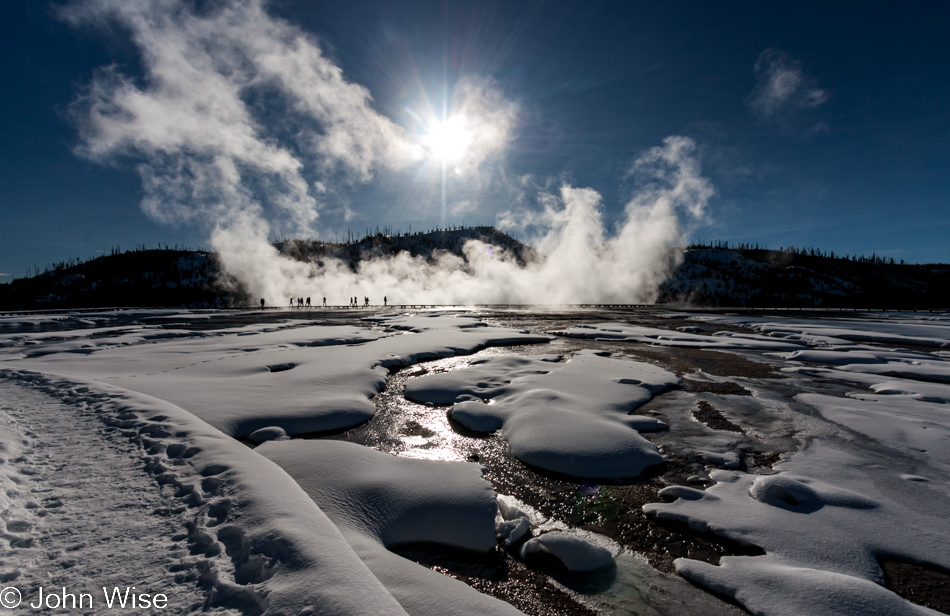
769	278
173	278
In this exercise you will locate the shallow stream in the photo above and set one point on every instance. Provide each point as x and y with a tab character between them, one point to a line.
642	582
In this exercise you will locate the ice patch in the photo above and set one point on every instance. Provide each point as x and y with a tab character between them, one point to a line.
512	524
511	508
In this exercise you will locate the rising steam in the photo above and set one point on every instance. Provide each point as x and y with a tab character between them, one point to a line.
199	127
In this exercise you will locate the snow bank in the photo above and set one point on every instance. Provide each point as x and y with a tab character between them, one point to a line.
923	391
379	501
301	379
803	591
664	337
879	328
919	430
265	546
820	523
904	364
567	417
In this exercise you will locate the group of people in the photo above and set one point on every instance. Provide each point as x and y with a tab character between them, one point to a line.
300	302
355	302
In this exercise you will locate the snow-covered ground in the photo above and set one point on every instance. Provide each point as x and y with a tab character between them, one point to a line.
120	464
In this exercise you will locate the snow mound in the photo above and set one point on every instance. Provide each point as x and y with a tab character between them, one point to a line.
413	500
804	494
729	459
574	552
567	417
378	501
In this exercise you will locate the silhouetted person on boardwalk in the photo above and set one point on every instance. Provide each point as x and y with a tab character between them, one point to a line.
291	302
324	302
384	301
262	302
308	302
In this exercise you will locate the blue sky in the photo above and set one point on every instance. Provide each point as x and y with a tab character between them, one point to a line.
817	125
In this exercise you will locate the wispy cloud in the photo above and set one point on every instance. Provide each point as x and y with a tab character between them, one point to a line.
783	87
208	149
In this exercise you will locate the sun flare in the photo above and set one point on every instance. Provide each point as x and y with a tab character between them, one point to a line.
450	139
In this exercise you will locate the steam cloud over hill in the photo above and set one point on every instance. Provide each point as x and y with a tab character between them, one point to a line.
209	154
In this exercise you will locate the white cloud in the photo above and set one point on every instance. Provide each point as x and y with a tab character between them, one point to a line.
208	153
783	87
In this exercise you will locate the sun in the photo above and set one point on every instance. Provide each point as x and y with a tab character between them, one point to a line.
449	140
